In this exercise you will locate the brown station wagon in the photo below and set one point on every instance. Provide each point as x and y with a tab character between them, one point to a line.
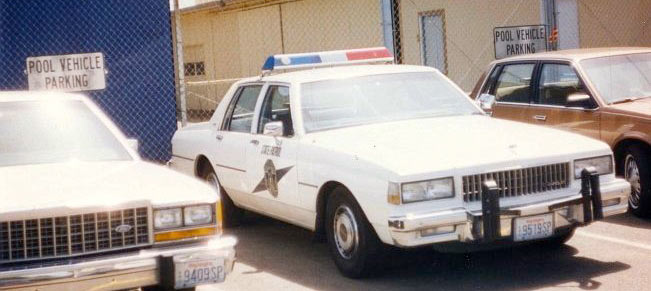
603	93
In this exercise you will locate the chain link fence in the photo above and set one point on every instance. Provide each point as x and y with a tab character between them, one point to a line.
231	39
218	42
119	53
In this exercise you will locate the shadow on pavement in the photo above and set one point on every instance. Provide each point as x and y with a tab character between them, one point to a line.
288	252
628	219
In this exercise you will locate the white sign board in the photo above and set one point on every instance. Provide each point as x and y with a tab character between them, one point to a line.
78	72
519	40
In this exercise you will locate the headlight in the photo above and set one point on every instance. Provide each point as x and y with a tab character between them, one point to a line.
194	215
167	218
603	165
427	190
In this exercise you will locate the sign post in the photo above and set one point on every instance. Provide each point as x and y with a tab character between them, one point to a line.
519	40
69	73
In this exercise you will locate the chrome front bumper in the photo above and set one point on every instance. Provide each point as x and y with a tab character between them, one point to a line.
130	270
462	225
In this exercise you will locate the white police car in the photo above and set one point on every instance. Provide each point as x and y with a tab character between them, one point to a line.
392	154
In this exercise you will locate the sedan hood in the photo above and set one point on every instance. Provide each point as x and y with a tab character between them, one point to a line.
460	142
77	185
638	108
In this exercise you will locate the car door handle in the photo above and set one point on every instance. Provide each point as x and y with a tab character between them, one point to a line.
219	137
255	142
540	117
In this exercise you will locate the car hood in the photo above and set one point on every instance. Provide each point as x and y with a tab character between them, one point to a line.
80	185
638	108
459	142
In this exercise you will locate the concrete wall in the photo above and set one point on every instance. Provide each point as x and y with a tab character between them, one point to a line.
614	23
468	31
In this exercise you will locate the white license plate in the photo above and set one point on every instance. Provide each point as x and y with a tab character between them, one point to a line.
533	227
193	273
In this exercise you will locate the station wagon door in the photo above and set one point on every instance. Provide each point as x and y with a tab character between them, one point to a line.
511	85
561	101
271	159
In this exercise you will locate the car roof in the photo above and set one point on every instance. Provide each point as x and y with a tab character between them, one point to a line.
337	72
578	54
10	96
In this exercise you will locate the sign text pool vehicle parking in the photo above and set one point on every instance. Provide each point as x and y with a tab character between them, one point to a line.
519	40
385	154
70	73
80	210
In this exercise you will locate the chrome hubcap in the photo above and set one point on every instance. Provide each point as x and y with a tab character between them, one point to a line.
632	175
345	231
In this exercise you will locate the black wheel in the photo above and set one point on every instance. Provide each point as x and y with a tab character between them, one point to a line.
558	240
353	243
231	214
636	171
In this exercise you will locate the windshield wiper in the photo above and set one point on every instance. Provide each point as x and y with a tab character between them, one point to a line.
625	100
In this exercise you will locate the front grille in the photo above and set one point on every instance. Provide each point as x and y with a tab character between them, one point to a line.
43	238
518	182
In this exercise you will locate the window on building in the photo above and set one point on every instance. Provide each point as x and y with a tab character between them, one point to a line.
432	28
194	69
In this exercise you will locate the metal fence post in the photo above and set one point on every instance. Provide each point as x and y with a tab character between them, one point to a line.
180	74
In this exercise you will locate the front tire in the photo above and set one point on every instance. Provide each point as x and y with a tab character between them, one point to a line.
353	243
636	171
231	214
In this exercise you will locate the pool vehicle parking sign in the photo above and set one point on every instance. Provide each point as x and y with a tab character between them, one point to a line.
519	40
70	73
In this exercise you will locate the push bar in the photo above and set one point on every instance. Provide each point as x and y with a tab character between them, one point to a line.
591	193
490	208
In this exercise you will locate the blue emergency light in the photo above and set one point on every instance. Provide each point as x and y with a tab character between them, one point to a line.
327	58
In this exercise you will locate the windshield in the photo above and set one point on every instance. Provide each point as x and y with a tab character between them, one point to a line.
35	132
380	98
618	78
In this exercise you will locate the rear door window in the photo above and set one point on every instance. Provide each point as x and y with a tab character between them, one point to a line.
240	112
514	83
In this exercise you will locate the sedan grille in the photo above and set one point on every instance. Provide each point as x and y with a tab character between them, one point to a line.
518	182
63	236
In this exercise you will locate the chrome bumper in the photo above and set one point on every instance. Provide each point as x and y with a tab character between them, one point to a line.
130	270
462	225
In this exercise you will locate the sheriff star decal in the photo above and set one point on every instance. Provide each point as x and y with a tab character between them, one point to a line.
271	177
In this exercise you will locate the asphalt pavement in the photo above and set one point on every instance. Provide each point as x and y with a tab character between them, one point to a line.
614	254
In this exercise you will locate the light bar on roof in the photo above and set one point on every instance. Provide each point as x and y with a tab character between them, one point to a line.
327	58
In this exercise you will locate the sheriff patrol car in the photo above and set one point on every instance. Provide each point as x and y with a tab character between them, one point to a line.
382	154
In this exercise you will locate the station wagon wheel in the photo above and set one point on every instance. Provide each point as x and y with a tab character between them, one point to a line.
231	214
636	171
353	243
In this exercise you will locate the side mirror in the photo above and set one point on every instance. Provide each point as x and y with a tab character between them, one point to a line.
486	101
578	97
133	143
274	128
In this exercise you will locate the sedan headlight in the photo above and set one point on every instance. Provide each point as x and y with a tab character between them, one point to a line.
194	215
427	190
168	218
603	165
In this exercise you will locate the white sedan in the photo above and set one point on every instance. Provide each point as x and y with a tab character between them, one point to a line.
80	210
374	155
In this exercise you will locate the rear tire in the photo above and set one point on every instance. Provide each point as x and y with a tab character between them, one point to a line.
635	168
353	243
231	214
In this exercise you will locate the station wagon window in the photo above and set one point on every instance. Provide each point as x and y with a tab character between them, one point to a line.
513	84
240	112
557	82
276	108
